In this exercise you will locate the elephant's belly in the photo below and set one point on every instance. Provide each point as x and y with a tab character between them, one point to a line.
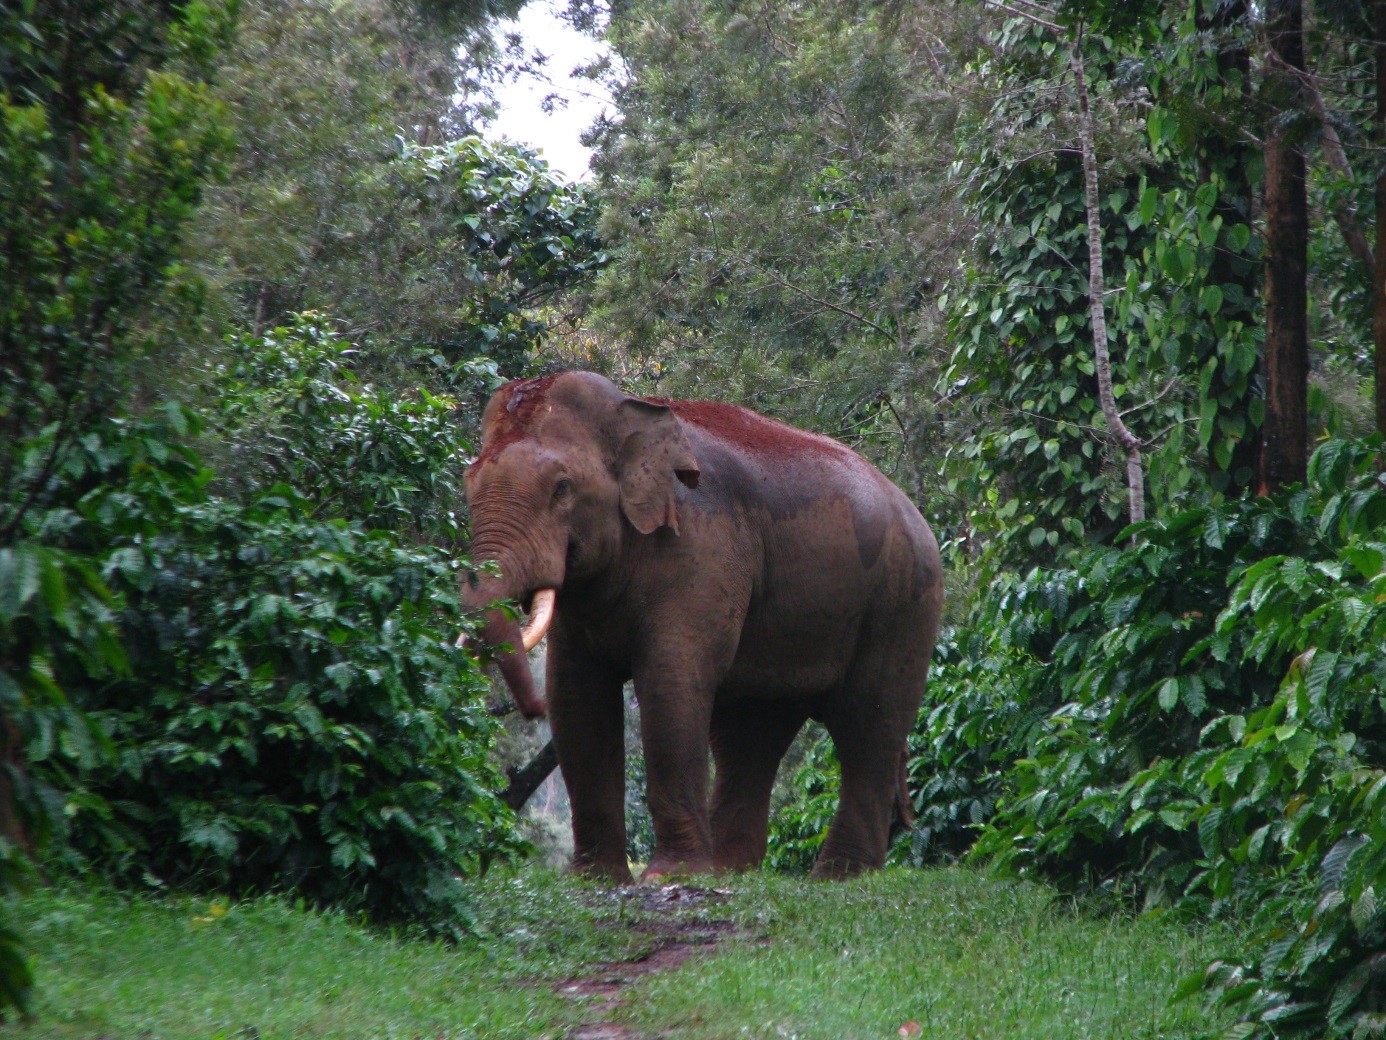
803	656
803	626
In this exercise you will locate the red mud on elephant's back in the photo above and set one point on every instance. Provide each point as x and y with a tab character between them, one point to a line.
749	430
518	404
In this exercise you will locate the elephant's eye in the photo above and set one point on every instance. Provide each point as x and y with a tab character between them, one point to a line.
563	488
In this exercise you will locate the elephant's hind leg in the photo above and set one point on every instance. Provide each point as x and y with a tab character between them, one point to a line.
748	740
870	724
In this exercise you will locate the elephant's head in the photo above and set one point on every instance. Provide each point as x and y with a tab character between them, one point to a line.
570	467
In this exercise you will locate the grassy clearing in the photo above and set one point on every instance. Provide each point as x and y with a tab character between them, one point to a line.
961	954
121	967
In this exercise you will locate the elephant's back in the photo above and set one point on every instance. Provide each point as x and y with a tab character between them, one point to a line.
788	471
775	464
839	551
756	435
757	463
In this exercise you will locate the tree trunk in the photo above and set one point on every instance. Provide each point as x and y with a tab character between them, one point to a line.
1344	210
1284	436
1227	158
11	765
1130	445
1379	278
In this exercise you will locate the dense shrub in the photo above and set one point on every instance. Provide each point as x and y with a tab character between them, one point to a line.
504	236
1295	803
983	710
1197	717
798	827
108	133
1128	679
293	714
56	621
291	409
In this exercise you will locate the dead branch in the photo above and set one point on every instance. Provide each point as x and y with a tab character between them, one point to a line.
526	779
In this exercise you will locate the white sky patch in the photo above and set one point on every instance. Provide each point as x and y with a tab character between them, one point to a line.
521	116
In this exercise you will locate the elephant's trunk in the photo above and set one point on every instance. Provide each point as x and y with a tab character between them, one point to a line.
498	628
514	664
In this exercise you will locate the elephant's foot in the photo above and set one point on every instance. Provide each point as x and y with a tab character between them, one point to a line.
737	864
662	868
836	868
617	873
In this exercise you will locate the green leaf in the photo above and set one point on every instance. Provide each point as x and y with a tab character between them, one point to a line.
1156	125
1206	197
1209	834
1321	670
1238	237
1150	198
1364	909
1334	866
1169	694
1215	530
1240	1031
19	579
216	835
1192	693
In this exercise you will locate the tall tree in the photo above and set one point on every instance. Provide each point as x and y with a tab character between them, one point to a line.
1379	274
776	185
324	100
1284	436
107	136
1128	442
1226	156
1062	344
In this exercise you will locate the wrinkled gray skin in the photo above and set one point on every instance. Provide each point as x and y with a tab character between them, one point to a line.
746	575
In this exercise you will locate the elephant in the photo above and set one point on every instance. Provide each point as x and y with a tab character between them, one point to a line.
745	574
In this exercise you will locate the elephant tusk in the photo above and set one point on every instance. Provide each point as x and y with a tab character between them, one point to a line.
540	618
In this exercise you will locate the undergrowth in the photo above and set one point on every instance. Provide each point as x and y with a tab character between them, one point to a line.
1196	719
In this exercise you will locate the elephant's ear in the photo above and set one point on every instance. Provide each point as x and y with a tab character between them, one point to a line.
654	453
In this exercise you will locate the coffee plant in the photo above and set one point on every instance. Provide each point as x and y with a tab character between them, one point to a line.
289	712
1195	719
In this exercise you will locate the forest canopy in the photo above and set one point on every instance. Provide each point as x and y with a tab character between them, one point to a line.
1099	284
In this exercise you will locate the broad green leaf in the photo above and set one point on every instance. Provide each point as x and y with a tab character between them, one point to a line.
1150	198
1169	694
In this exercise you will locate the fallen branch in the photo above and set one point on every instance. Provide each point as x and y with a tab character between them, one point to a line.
525	780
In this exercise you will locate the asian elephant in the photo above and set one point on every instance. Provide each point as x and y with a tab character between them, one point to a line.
745	574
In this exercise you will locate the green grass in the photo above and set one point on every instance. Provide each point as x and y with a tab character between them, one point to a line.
964	955
961	954
141	968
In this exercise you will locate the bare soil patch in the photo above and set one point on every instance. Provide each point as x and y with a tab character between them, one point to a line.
678	932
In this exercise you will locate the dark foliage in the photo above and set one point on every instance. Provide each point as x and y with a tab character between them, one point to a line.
283	708
107	136
1197	720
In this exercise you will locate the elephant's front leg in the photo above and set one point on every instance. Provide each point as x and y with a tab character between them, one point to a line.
587	714
675	692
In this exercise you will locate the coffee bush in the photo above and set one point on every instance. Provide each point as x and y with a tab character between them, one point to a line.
292	715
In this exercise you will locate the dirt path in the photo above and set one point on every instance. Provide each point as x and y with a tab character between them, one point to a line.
678	927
